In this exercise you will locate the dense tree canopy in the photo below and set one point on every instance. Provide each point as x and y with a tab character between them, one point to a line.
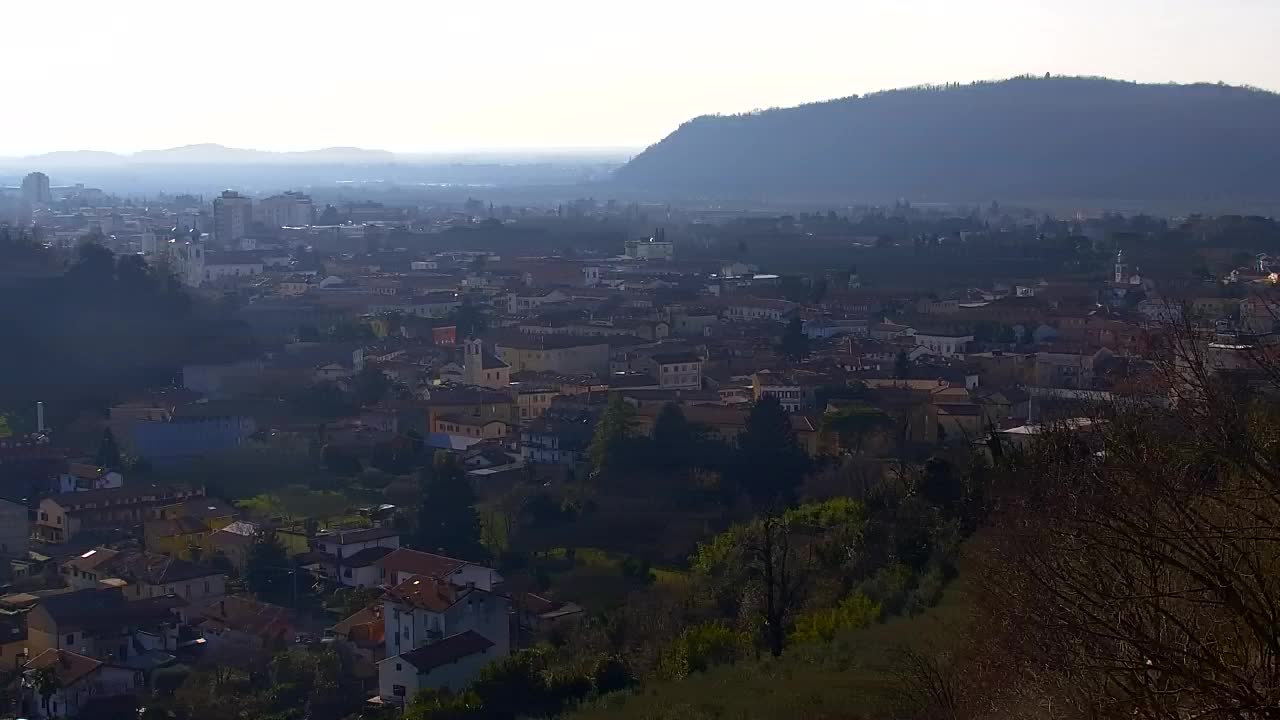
770	463
447	519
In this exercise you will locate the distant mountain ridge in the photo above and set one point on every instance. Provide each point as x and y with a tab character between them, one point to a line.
1028	139
211	154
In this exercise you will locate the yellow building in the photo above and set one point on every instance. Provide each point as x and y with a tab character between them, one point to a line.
472	427
534	401
183	529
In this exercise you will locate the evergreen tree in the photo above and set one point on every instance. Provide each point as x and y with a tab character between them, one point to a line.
108	452
901	366
613	433
795	344
269	571
678	443
447	519
770	462
371	384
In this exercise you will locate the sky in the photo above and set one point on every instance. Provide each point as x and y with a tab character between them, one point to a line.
449	75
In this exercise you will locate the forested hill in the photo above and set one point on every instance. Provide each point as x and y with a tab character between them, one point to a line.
1027	139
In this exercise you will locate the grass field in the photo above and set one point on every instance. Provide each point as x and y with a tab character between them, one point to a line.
297	502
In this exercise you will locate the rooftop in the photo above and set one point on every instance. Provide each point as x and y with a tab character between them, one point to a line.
448	650
69	667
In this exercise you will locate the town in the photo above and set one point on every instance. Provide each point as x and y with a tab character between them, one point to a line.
364	459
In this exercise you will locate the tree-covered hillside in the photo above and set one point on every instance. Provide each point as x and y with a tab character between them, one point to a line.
1045	140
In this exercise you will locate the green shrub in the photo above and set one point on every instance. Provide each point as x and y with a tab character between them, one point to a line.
854	612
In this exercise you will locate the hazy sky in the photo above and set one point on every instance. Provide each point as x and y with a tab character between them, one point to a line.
423	75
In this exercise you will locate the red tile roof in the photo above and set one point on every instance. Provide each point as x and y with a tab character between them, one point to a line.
69	667
417	562
427	593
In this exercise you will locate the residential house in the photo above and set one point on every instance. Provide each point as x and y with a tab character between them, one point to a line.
430	305
86	687
780	387
557	439
676	370
534	400
81	572
364	634
234	541
471	427
183	529
476	403
943	344
237	623
537	613
142	575
61	517
518	302
889	331
695	324
80	477
749	308
403	564
1071	368
998	368
448	664
101	623
13	638
349	557
439	635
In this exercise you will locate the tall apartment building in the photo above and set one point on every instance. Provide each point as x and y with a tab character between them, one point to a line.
35	188
290	209
232	215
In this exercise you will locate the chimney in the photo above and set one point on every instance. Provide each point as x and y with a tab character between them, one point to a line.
40	417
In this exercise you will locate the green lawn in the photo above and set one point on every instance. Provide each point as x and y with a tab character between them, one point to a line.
297	502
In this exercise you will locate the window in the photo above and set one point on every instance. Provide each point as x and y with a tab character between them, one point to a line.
71	639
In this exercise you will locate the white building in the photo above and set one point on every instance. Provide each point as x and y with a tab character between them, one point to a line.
678	370
217	266
81	477
232	217
404	564
760	309
439	635
450	664
80	681
350	557
521	302
942	344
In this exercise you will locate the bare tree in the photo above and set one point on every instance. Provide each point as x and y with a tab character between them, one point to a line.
1137	555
